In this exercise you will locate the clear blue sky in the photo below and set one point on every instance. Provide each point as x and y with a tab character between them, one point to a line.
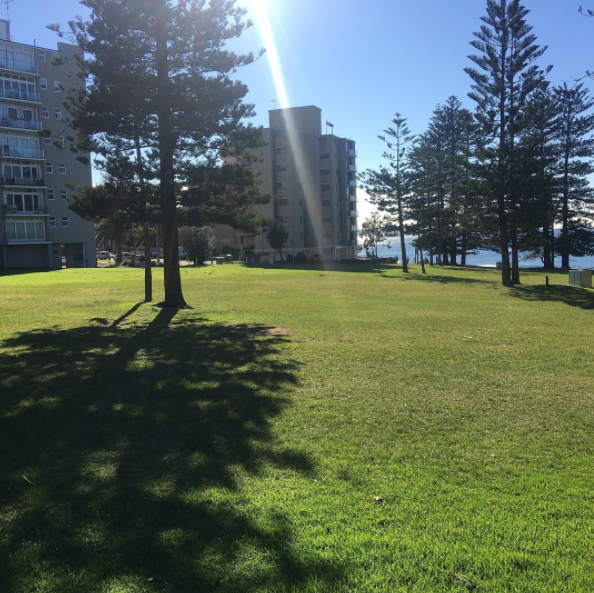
362	60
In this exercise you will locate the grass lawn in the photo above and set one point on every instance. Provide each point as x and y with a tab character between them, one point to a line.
143	450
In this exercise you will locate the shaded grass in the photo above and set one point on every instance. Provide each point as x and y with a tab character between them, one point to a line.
206	455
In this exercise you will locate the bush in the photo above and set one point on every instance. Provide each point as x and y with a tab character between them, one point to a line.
289	259
301	258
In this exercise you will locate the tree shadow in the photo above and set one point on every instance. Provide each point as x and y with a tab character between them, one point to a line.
123	452
573	296
438	278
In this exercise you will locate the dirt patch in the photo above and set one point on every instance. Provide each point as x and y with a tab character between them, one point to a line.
261	330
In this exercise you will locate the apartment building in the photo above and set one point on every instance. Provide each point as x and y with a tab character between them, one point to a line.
37	229
312	177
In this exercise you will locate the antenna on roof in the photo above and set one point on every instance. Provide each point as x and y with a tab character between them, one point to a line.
7	2
273	101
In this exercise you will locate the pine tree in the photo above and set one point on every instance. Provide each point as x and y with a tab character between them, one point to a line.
159	72
389	187
505	79
576	150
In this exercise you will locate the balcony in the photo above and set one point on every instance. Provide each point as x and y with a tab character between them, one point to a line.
352	183
20	124
22	153
353	214
23	181
19	95
352	197
353	242
351	152
17	65
12	211
352	168
354	228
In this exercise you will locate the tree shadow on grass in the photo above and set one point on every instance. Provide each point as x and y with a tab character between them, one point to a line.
573	296
122	455
429	277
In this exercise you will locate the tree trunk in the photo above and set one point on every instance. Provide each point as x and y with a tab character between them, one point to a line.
401	231
158	242
546	255
148	265
515	276
463	249
166	145
118	249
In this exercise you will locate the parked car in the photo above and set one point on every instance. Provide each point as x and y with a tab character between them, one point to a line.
317	257
103	255
126	256
154	253
183	254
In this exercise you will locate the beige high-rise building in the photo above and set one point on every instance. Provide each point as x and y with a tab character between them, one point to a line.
312	177
37	228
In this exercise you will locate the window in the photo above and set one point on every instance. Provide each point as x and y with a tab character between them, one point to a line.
43	84
326	187
65	221
41	56
44	112
49	168
56	252
325	155
326	202
60	141
325	171
279	133
280	150
53	222
327	234
282	202
63	193
282	219
58	113
57	87
280	185
326	219
50	194
281	167
62	168
47	141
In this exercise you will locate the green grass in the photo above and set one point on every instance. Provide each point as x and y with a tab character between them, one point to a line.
147	451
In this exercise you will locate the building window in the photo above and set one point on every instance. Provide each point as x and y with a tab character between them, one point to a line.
326	202
58	113
60	141
43	84
62	168
282	219
279	133
49	168
53	222
282	202
301	235
281	185
57	87
45	112
41	56
326	187
47	141
50	194
325	171
327	234
65	221
281	167
63	193
280	150
56	252
326	219
325	155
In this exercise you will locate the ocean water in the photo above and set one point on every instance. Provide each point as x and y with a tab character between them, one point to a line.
481	258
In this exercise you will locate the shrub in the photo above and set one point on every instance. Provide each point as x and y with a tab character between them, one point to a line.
301	257
289	259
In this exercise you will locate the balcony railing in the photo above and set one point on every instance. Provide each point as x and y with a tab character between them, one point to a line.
12	211
353	214
353	197
352	183
20	124
19	95
22	153
18	65
24	181
351	152
352	168
354	228
27	240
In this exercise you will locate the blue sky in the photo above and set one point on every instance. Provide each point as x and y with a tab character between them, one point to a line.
362	60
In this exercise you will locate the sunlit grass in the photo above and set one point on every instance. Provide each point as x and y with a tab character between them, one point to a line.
190	452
